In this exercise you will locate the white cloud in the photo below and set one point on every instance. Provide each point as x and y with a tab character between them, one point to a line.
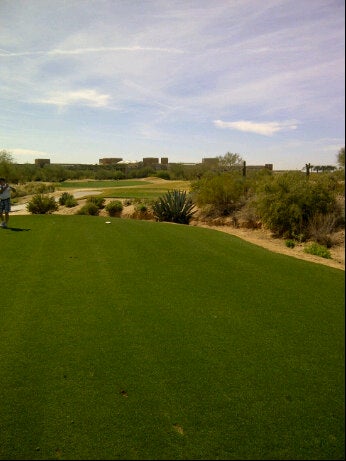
27	155
85	97
166	70
28	152
265	129
78	51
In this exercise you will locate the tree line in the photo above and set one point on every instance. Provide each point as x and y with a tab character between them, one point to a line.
23	173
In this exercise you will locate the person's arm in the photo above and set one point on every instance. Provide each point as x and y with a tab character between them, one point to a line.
3	188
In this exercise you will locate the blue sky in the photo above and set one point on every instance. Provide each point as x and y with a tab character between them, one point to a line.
183	79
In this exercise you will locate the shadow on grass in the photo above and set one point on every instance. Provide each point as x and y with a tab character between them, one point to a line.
17	229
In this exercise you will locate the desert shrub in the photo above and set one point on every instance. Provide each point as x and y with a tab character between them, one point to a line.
98	201
290	243
321	228
103	173
287	202
175	206
32	188
208	212
318	250
16	193
224	192
89	209
163	174
114	208
39	188
143	210
67	200
247	217
44	188
141	172
71	202
42	204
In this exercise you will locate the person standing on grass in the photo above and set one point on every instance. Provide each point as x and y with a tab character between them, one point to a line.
5	202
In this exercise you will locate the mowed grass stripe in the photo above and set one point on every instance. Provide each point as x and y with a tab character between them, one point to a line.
101	184
140	340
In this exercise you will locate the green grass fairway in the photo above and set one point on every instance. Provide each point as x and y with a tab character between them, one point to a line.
143	340
146	191
93	184
125	188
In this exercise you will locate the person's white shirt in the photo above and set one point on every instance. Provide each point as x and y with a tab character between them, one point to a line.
6	193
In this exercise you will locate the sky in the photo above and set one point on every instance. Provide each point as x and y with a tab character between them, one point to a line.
185	79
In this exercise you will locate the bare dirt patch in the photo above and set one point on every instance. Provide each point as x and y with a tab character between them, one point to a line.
264	238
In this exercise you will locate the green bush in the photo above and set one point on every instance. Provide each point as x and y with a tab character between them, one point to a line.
67	200
163	175
98	201
287	202
141	208
318	250
224	193
71	202
175	206
290	243
114	208
42	204
89	209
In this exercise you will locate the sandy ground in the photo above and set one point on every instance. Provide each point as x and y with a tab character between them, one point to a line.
264	239
261	237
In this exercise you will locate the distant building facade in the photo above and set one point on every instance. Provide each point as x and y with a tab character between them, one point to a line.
267	166
150	161
156	163
42	161
109	160
210	161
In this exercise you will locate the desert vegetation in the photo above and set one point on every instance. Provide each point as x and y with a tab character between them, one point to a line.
42	204
175	206
299	206
292	205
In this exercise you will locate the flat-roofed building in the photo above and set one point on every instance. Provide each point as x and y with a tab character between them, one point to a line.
267	166
147	161
42	161
210	161
109	160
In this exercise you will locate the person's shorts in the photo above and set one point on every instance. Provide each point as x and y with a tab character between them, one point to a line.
5	205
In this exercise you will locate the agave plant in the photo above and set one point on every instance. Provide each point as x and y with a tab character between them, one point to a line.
175	206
